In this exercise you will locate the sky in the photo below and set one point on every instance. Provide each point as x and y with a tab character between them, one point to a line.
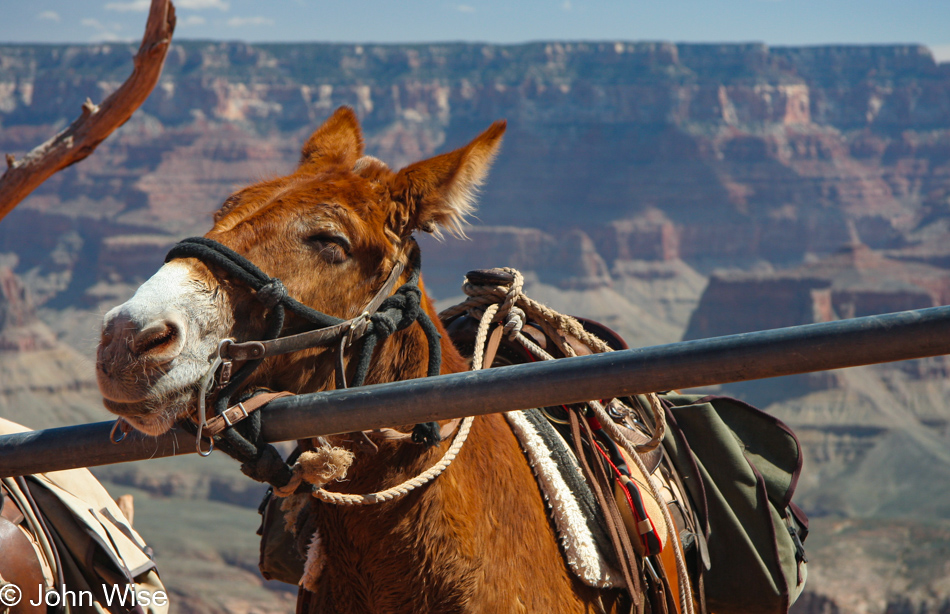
774	22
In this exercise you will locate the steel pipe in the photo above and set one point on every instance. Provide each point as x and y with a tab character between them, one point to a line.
719	360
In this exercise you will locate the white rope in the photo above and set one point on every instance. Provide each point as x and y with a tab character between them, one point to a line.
403	489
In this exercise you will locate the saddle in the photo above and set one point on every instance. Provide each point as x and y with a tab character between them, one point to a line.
625	490
79	539
725	472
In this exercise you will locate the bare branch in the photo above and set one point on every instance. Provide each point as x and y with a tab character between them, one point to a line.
95	123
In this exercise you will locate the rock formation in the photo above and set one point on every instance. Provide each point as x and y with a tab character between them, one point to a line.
631	174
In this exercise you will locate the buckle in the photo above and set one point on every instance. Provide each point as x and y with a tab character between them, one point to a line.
357	328
227	420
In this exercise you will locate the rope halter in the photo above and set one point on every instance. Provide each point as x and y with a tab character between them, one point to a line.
388	311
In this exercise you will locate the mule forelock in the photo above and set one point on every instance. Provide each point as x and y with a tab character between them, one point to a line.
368	166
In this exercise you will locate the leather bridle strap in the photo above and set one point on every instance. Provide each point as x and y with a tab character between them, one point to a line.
242	410
354	328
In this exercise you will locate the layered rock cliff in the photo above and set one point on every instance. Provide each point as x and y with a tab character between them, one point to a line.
750	152
805	184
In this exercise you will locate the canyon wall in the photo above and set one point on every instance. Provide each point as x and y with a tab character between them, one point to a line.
667	190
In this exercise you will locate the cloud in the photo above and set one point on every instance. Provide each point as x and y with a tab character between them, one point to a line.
48	15
110	32
200	5
941	52
465	8
566	5
240	22
192	20
138	6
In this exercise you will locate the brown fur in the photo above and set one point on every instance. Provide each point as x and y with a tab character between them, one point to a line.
478	538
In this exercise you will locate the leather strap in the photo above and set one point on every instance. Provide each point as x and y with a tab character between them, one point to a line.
239	412
626	555
491	347
354	328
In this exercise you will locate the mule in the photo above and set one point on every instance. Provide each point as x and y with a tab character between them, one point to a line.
477	539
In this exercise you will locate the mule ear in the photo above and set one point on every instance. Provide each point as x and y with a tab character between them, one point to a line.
440	192
338	141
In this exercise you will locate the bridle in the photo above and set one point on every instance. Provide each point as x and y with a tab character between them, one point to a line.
386	313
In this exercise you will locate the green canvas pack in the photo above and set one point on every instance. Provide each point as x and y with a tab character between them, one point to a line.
740	467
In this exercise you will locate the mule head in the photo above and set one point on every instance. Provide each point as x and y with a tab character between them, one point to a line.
331	231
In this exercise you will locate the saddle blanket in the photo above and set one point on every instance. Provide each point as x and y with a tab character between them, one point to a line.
571	504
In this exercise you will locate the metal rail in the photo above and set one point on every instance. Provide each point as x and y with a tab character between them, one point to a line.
720	360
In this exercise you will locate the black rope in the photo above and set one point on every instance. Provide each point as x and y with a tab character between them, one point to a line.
244	442
269	290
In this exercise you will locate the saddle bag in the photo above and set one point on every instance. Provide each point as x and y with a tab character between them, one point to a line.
740	466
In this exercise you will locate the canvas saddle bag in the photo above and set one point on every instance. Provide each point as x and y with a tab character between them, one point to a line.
740	466
84	542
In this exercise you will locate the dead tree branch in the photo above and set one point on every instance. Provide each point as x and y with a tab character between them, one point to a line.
95	123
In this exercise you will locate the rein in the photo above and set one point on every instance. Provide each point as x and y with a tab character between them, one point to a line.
386	313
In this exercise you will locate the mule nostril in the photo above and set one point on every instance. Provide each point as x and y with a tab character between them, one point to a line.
158	338
108	334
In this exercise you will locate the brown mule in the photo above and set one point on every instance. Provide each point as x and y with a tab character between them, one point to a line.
477	539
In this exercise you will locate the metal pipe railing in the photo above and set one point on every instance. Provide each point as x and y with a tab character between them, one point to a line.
720	360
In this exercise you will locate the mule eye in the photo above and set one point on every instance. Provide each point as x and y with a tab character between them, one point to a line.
332	248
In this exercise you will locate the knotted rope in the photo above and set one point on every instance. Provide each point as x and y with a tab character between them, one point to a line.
506	304
327	464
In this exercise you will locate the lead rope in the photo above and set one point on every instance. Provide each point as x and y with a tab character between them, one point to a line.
506	304
328	464
401	490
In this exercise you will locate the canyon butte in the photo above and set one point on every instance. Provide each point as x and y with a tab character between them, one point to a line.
672	191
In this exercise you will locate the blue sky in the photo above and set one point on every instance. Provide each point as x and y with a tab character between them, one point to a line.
775	22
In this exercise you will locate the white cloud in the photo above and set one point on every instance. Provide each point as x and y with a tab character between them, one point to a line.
49	16
192	20
139	6
200	5
941	52
240	22
105	32
566	5
465	8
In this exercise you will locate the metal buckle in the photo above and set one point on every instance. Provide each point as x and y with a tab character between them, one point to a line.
239	406
362	319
